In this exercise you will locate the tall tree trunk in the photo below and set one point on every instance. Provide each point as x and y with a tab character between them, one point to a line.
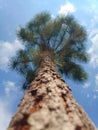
49	105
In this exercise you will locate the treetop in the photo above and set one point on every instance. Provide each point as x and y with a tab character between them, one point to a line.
63	37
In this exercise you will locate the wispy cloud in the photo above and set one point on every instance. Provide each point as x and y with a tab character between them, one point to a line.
8	50
88	95
93	50
92	12
67	8
96	82
10	98
93	9
94	97
10	87
86	85
5	114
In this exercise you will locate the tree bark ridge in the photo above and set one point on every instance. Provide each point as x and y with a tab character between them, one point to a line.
49	105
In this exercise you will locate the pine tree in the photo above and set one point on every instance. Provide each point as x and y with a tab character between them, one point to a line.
52	45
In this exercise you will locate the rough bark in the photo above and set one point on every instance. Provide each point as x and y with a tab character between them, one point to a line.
49	105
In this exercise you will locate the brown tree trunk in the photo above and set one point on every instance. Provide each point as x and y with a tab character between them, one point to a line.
49	105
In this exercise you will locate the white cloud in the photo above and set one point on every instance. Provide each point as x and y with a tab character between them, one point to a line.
10	87
96	80
94	20
86	85
93	51
95	41
88	95
67	8
11	97
92	11
92	7
93	32
96	83
8	50
5	114
7	109
94	97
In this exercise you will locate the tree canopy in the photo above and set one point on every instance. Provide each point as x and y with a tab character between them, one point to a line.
62	36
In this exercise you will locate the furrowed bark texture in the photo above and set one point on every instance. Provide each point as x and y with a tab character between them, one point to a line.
49	105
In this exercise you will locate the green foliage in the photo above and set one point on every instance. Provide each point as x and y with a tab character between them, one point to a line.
62	36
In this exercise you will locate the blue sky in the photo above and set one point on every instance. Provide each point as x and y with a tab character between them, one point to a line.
17	13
